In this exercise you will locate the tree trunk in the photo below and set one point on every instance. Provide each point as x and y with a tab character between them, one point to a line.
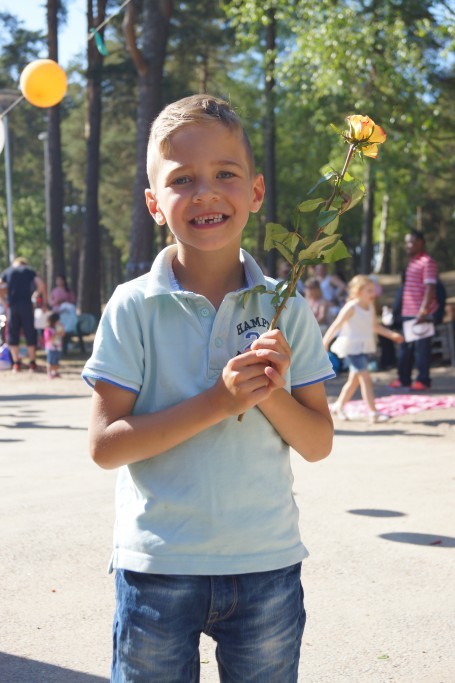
149	62
367	222
89	289
54	171
419	218
269	142
383	234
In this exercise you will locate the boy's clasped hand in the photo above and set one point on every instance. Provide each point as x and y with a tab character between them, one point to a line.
251	377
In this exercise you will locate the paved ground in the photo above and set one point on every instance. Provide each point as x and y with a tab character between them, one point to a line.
377	517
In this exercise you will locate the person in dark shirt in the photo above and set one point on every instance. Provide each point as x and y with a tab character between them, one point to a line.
20	281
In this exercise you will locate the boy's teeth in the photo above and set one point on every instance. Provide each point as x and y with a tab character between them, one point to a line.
215	218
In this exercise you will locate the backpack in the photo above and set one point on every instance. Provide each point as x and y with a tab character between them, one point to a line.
441	295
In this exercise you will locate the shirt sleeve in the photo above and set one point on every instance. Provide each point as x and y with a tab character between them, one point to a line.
430	273
309	360
118	352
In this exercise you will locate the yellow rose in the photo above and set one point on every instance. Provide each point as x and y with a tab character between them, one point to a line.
363	130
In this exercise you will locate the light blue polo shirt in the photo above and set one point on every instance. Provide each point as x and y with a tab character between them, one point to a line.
222	501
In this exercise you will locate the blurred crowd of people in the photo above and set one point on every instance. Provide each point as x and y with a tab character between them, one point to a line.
43	319
351	314
47	320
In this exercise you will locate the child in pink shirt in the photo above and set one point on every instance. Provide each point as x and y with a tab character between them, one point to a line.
53	342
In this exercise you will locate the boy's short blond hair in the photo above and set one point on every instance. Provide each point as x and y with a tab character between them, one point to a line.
196	109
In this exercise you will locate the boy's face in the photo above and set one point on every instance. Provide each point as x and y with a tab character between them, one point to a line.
204	188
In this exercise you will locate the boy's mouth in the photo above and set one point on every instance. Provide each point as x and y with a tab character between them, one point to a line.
209	219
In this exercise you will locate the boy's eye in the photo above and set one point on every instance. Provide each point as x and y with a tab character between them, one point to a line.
182	180
225	174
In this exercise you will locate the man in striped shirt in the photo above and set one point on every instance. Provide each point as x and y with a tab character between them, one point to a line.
420	303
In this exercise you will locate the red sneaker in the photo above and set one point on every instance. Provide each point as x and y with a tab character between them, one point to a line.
396	384
419	386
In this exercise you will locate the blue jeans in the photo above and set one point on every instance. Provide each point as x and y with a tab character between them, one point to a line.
257	621
357	362
418	353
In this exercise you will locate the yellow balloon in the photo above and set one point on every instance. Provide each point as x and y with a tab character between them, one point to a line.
43	83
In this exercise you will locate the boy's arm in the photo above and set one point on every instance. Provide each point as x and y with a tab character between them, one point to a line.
119	438
302	419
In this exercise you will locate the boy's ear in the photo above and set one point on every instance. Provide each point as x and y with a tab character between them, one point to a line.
153	207
258	193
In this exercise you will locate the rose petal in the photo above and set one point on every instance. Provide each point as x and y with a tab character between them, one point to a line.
378	135
370	151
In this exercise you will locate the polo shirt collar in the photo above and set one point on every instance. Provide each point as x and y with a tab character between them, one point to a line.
161	279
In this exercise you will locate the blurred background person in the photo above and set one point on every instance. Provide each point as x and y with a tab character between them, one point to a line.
20	281
61	293
419	303
334	290
317	303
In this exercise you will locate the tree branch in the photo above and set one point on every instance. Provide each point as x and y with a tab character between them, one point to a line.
128	25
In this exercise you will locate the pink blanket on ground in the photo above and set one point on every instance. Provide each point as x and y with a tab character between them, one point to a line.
401	404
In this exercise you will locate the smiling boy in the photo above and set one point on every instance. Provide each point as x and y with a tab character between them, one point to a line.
207	536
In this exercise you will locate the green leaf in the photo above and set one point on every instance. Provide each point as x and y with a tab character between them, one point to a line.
337	130
259	289
325	178
311	205
286	242
352	189
326	217
315	249
331	227
274	232
336	253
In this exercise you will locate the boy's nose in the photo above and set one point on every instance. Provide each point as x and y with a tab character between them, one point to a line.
204	191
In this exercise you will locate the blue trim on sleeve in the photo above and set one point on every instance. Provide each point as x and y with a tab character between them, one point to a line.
315	381
88	379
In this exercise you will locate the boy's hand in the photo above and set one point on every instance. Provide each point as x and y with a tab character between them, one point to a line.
251	377
276	352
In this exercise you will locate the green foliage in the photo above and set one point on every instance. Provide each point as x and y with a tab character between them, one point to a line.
324	245
390	59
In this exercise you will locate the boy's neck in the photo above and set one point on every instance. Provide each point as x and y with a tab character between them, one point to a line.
211	274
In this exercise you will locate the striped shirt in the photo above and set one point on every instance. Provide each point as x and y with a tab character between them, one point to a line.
421	271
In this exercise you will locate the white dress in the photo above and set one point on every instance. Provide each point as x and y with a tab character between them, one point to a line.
356	334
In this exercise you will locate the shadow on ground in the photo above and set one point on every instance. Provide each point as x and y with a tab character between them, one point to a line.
21	670
386	432
420	539
376	512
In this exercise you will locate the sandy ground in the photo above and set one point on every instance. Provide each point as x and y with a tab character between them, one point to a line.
377	517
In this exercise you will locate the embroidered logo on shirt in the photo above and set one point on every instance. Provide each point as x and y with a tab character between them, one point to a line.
247	330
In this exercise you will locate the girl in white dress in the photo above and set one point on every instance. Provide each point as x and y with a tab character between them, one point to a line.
357	325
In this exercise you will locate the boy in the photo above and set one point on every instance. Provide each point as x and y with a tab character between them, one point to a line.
207	529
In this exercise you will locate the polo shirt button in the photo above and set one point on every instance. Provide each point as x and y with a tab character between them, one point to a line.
219	342
205	312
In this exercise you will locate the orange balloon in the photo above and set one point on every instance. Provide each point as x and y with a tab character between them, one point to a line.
43	83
